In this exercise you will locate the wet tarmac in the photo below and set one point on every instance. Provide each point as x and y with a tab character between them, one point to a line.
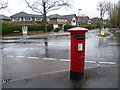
29	57
97	48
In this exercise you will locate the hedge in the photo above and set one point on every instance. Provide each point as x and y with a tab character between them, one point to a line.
49	28
10	28
39	28
66	27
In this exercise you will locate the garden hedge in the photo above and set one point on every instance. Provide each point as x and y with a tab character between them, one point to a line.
10	28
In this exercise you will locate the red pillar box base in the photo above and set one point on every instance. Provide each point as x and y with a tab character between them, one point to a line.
76	75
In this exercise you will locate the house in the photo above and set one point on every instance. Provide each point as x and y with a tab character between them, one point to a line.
5	19
95	20
72	19
25	18
106	21
83	20
57	21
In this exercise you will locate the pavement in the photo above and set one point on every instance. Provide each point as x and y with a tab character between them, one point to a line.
100	76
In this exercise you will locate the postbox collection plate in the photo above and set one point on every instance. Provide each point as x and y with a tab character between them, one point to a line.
80	46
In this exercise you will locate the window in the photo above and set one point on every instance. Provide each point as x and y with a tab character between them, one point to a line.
38	19
16	19
73	21
27	19
61	20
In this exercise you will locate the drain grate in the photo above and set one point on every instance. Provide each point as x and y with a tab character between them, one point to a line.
6	80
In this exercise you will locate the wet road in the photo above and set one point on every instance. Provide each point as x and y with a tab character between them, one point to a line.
97	48
29	57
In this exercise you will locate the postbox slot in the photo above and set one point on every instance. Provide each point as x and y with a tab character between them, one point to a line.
80	38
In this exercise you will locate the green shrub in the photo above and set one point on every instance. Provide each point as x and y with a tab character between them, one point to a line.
42	27
90	26
107	26
66	27
10	28
56	30
49	28
33	28
36	28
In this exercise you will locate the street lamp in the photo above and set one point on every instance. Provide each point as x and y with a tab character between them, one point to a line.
79	12
101	17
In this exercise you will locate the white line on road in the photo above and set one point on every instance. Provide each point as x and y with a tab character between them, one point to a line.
49	58
10	56
65	60
107	62
21	56
33	57
90	61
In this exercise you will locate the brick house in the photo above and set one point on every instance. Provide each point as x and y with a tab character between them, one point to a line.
95	20
72	19
5	19
59	21
25	18
83	20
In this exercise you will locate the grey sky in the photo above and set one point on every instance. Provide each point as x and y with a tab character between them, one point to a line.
88	7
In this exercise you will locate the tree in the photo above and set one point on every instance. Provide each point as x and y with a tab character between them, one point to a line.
101	7
45	6
3	5
119	14
112	10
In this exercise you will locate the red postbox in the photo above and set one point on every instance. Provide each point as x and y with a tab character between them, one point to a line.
77	52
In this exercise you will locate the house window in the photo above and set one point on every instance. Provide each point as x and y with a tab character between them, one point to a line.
61	20
27	19
73	21
38	19
16	19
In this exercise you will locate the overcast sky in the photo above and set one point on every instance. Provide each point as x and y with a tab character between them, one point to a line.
88	7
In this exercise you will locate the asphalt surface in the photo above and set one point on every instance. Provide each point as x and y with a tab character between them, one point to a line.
100	77
30	64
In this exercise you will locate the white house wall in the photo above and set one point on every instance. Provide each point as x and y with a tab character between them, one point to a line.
73	23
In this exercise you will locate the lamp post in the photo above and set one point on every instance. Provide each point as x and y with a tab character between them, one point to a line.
79	12
101	17
79	16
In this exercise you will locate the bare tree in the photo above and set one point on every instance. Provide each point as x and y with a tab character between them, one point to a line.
119	13
101	7
109	7
112	10
45	6
3	5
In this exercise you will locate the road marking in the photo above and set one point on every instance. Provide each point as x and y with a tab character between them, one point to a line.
21	56
65	60
36	75
52	72
10	56
107	62
33	57
49	58
90	61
